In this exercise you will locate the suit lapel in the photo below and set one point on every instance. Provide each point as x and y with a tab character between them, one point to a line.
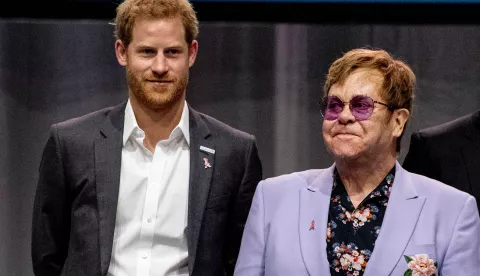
108	153
314	204
201	169
471	154
403	210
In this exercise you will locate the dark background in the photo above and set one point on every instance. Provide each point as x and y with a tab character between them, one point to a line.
260	68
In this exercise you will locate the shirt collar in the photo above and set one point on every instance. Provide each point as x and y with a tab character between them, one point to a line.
131	125
383	188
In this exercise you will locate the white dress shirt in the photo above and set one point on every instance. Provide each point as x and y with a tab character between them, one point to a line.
150	228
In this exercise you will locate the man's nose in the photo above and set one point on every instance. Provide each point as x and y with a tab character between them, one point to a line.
346	115
160	64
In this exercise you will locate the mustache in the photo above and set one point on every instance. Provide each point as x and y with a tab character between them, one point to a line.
154	79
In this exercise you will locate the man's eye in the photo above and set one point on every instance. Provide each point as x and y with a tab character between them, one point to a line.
173	52
334	105
361	105
148	51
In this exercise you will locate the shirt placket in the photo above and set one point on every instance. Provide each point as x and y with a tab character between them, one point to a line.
152	196
350	235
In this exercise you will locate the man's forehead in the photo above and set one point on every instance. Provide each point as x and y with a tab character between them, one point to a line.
151	25
361	81
365	75
148	32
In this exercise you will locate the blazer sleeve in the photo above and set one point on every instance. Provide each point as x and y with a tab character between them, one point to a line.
251	260
241	206
50	222
418	159
463	253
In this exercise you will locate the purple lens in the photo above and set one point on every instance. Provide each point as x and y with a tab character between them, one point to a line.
361	107
332	106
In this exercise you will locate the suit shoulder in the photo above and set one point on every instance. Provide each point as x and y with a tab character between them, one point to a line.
283	191
217	126
293	180
448	129
443	201
87	120
87	127
438	190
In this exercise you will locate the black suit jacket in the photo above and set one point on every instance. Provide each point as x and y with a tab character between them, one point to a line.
76	199
449	153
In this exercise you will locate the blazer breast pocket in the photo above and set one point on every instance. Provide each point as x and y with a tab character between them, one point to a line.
218	202
428	249
411	251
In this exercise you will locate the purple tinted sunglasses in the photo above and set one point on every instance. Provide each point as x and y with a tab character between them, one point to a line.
360	106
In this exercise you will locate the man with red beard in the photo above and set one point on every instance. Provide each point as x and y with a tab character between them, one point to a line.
148	187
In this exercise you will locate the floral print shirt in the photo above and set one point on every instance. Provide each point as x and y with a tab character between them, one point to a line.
352	232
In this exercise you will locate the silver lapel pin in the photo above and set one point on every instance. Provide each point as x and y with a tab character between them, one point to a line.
207	150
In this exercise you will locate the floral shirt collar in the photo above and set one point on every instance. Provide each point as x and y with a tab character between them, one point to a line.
382	190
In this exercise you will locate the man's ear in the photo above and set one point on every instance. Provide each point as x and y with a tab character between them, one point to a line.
121	52
192	52
400	117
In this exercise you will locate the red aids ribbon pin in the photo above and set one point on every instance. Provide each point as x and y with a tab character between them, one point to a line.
312	226
207	165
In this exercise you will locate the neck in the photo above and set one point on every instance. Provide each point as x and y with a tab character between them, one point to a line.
157	124
361	178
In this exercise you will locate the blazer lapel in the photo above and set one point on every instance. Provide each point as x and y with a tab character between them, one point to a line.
202	164
314	204
471	154
108	153
403	211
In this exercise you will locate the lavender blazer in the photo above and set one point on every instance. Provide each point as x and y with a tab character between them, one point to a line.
423	216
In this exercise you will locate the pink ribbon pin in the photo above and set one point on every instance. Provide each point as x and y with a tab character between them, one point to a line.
206	163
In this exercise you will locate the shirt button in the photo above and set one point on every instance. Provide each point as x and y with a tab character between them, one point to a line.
149	219
144	255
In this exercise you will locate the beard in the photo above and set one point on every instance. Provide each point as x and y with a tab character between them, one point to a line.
157	96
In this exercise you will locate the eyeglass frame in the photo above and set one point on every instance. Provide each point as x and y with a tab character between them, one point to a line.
389	106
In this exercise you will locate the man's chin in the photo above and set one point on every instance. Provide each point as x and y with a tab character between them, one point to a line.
158	99
161	103
345	155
